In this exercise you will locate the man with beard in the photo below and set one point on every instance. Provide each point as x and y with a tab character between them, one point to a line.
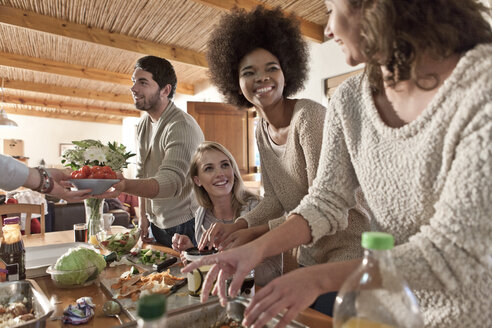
167	138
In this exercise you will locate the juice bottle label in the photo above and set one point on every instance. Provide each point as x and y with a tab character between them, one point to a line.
3	271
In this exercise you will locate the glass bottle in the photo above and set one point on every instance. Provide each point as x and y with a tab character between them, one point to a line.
12	252
151	311
375	295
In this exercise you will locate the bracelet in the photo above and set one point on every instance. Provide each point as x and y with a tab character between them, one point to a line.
46	184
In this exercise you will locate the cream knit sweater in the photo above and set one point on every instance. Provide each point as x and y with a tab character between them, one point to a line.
429	183
167	159
287	178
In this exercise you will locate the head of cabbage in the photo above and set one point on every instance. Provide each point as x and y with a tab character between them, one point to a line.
80	258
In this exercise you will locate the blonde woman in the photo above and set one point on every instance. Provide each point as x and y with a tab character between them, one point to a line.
219	190
222	197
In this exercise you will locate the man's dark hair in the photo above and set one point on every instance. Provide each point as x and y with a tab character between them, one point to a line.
239	33
162	71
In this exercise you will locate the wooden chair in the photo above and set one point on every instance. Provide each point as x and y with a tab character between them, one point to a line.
29	209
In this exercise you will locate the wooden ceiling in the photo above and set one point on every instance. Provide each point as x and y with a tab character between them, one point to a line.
73	59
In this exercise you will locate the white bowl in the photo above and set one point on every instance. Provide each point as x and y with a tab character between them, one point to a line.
98	186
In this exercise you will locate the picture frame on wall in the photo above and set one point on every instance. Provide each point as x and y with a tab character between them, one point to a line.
65	146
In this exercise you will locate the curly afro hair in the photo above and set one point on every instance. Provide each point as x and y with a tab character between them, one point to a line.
241	32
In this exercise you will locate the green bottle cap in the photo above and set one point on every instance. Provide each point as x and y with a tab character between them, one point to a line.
151	306
377	240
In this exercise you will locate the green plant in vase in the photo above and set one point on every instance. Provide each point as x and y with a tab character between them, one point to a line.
93	153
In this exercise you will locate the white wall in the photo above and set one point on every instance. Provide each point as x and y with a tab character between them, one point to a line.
42	136
327	60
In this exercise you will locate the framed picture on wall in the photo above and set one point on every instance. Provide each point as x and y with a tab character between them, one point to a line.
65	146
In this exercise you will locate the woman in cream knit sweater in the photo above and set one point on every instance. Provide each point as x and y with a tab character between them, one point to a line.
419	147
259	59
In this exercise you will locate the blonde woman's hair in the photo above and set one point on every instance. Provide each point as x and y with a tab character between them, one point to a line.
240	195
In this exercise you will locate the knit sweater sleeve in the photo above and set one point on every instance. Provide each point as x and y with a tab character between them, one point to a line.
310	130
332	193
179	143
454	248
141	149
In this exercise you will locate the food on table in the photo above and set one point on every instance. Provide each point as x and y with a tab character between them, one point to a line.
157	282
14	313
73	263
94	172
149	256
121	242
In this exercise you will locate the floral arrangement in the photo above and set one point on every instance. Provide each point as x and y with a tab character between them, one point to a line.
94	152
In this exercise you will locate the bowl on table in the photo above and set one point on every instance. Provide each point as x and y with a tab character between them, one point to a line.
73	278
98	186
120	242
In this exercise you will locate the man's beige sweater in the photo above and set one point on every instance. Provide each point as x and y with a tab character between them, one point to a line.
428	183
167	159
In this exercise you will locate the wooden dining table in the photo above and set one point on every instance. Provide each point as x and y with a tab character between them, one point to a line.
60	298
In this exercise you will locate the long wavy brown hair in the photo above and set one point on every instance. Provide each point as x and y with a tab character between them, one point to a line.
240	195
397	33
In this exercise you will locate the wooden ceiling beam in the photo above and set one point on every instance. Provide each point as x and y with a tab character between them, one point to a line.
72	70
63	116
310	30
46	103
31	20
69	92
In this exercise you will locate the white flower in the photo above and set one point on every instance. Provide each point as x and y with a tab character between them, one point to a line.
93	154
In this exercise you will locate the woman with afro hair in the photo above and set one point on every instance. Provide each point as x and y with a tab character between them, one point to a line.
414	133
259	59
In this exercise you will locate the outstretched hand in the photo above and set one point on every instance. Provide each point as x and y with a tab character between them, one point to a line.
236	263
243	236
292	292
61	189
217	233
115	190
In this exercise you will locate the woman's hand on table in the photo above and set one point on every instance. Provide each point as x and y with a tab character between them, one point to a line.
218	232
235	263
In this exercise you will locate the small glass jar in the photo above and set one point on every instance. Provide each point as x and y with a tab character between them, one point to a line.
197	276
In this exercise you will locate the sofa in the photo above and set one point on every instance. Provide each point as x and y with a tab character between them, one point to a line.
64	216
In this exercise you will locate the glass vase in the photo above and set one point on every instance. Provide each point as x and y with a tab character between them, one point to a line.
93	218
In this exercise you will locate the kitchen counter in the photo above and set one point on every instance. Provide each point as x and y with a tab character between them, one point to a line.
61	298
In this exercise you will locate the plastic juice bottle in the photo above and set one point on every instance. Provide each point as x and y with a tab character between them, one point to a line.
376	295
151	311
12	252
